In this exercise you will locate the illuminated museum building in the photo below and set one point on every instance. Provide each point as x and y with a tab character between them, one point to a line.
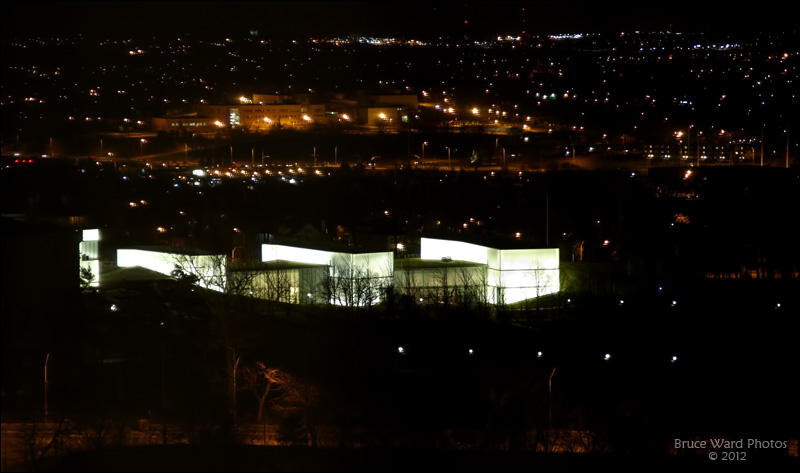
447	270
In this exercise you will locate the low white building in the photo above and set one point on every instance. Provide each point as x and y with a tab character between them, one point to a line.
209	269
354	279
512	275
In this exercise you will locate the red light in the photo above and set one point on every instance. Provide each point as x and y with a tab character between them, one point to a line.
466	22
16	160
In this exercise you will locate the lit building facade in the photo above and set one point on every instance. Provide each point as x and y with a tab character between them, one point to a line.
447	270
209	269
89	252
512	275
264	116
352	279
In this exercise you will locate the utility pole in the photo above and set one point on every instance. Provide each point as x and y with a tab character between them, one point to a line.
547	219
315	156
253	156
787	149
46	360
688	142
163	387
697	153
335	155
762	146
550	398
101	146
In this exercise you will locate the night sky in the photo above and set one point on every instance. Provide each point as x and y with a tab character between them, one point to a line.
414	18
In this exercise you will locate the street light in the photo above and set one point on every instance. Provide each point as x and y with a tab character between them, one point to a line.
142	141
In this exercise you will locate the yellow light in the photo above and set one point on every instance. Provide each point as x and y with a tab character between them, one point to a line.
244	99
266	119
219	124
475	111
345	116
161	229
678	134
382	116
306	118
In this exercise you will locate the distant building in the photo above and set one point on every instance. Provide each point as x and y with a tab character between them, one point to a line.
407	101
447	270
386	110
264	112
384	116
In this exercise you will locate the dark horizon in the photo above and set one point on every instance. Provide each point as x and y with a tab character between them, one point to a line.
477	20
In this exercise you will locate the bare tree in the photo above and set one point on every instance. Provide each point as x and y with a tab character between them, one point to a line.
351	286
262	381
212	272
87	277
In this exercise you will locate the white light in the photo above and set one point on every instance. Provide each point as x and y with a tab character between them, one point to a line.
471	351
401	350
113	308
198	172
91	234
607	356
539	354
674	358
